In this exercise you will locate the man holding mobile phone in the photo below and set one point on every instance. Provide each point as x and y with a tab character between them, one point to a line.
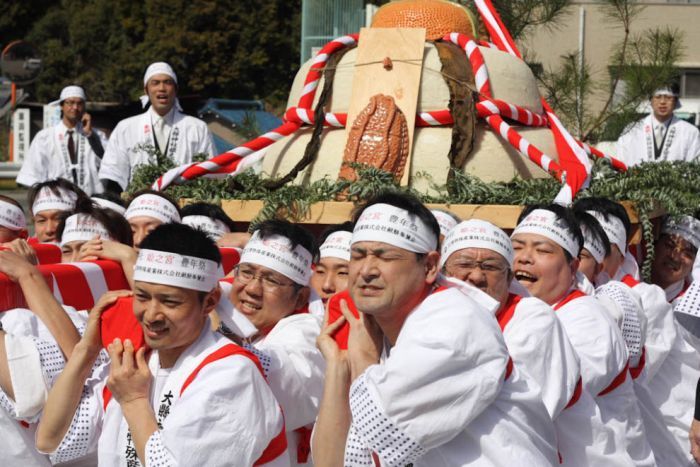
72	149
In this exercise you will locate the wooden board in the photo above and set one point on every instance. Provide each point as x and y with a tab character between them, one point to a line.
336	212
404	46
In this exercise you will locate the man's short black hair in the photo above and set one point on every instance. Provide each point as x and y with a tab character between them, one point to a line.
607	208
183	240
566	215
296	234
113	222
54	185
407	202
210	210
331	229
157	193
110	196
591	223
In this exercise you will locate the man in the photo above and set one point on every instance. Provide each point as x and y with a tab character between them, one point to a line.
661	136
674	255
480	253
48	200
147	210
72	149
547	242
208	217
196	399
446	220
271	289
13	223
331	266
426	368
163	128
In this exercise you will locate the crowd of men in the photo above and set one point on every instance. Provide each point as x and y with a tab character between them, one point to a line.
403	336
406	337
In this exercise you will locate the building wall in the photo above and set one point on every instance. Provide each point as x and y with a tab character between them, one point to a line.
600	35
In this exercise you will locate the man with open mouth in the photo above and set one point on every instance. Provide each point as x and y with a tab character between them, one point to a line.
162	128
547	242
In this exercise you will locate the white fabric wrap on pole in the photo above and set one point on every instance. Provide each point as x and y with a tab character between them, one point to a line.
187	272
276	252
337	245
476	233
155	206
27	376
544	222
395	226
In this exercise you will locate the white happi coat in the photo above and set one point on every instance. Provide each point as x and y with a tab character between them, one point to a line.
636	144
188	136
295	369
227	414
438	397
540	347
48	158
672	385
603	355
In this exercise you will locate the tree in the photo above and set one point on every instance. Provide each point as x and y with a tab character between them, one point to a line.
242	49
639	64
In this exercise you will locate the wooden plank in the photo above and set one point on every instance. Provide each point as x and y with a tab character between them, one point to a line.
404	46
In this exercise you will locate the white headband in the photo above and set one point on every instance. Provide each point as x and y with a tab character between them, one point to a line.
593	245
11	216
107	204
68	92
212	227
395	226
276	252
81	228
152	206
476	233
47	200
545	222
158	68
686	227
187	272
614	229
445	221
336	245
665	91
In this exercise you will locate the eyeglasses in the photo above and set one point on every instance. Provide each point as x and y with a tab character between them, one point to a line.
486	266
269	282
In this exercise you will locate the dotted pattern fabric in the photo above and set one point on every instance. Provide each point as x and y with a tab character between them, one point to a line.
380	434
687	309
265	359
631	329
156	454
76	443
356	454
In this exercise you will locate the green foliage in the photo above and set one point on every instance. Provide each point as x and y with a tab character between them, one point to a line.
235	49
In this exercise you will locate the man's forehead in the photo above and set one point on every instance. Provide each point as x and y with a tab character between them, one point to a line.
160	289
160	77
476	253
50	213
144	221
377	247
259	268
533	239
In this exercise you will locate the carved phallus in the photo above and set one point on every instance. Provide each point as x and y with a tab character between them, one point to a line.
378	137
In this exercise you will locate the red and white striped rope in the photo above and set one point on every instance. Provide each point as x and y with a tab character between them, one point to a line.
229	162
495	121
